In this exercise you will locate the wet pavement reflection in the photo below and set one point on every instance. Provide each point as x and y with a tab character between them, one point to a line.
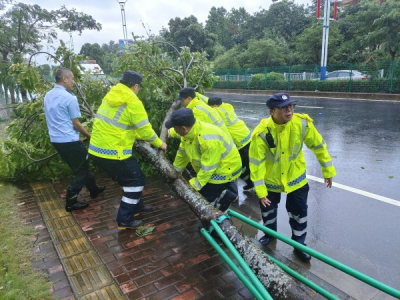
363	138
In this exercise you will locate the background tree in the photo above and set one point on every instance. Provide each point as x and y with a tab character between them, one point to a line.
308	44
93	51
188	32
104	55
45	70
218	24
229	60
264	53
23	27
236	21
378	25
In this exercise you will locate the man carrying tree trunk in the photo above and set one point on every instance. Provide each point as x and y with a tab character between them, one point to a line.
62	113
202	112
240	133
120	120
212	154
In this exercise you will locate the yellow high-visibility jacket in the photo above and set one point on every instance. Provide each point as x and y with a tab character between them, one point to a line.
283	168
212	154
205	113
238	129
120	119
202	97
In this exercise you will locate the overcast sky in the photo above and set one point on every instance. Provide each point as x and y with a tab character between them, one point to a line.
154	13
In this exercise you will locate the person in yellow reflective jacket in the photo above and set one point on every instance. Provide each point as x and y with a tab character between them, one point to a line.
120	119
201	110
202	97
277	165
212	155
240	133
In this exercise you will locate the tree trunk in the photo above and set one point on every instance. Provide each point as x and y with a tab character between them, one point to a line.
279	285
12	95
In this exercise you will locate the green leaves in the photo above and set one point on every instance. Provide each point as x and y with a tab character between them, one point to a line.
144	230
27	76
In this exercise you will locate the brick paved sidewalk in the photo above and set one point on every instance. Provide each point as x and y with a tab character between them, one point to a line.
174	262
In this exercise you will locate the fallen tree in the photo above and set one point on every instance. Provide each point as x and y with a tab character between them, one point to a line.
278	284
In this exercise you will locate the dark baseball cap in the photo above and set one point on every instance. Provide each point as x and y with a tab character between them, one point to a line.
181	117
214	101
131	78
186	92
279	100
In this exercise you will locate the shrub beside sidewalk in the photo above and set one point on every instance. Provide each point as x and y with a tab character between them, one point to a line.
18	279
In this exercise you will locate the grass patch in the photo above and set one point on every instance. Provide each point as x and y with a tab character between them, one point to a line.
18	279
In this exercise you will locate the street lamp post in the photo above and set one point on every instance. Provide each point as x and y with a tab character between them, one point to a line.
325	32
122	5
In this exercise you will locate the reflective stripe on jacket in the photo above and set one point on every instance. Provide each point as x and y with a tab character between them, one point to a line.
283	168
212	154
205	113
202	98
120	119
241	135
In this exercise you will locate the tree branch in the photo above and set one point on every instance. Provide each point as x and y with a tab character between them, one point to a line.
34	161
27	126
197	85
189	65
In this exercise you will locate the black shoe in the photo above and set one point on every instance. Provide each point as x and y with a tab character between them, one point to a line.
97	191
72	203
304	257
144	208
131	225
265	240
76	206
248	187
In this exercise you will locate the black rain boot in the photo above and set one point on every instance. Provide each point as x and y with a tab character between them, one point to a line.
71	202
226	198
142	208
249	185
98	190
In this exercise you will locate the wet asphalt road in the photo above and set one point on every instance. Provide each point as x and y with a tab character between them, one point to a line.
348	225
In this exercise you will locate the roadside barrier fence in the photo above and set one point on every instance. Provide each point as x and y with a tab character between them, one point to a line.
254	285
371	77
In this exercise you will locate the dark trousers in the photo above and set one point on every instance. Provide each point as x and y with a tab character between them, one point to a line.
244	155
220	195
76	156
296	206
129	176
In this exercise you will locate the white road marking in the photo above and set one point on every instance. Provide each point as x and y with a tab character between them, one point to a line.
247	102
357	191
241	117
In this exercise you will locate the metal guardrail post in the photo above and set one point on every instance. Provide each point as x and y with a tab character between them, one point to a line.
245	79
392	76
351	77
370	281
265	78
231	264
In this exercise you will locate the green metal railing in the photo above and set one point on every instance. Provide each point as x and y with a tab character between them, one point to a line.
380	77
231	264
368	280
304	280
254	285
